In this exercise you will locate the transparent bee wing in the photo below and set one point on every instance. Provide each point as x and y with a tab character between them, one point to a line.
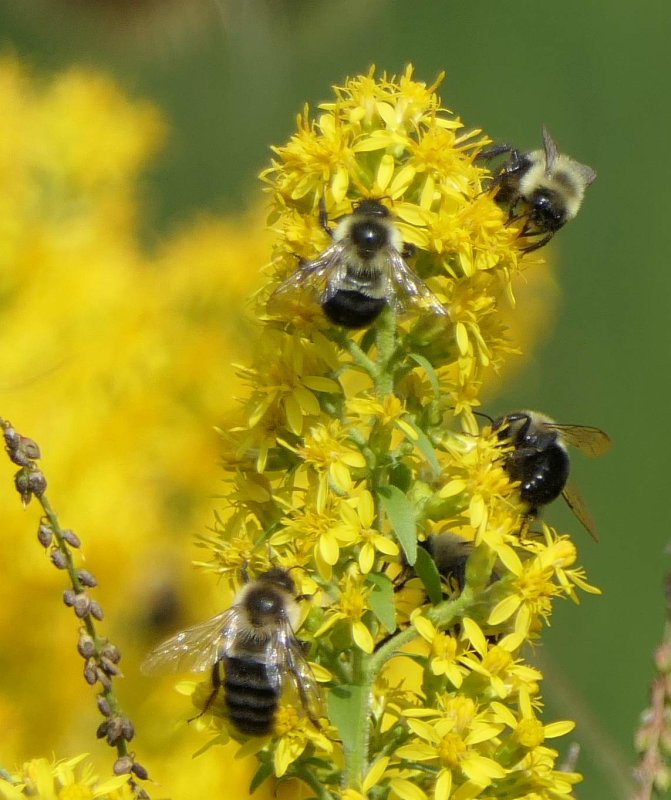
587	173
591	441
304	680
285	661
410	288
194	649
313	277
577	505
275	655
551	152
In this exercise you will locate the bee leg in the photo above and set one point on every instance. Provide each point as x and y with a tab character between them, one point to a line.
494	152
324	217
537	245
512	215
408	251
518	417
384	640
216	685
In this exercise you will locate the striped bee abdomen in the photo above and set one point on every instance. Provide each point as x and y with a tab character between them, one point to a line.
251	699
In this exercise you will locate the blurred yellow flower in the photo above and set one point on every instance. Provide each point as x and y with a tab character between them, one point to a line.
118	361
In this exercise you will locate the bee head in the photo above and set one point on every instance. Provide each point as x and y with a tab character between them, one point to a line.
371	208
368	230
528	429
280	578
548	209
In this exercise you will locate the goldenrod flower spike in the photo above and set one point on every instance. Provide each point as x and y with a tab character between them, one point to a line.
355	446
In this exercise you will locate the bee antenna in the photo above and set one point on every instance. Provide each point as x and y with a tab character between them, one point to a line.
376	199
484	416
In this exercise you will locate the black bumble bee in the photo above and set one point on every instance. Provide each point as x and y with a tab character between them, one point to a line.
450	554
362	271
539	459
544	187
252	651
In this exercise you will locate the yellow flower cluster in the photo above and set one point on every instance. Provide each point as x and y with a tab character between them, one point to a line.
353	447
62	780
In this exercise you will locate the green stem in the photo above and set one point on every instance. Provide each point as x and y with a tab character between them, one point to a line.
358	355
315	784
357	754
385	337
365	670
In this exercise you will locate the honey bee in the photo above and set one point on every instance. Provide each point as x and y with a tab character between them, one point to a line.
540	460
362	272
252	651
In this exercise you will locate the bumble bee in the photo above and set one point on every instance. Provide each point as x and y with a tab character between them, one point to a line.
450	553
540	461
544	187
362	271
252	651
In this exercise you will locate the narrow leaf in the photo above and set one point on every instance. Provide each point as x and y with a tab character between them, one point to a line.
381	600
425	364
344	705
427	572
401	514
425	447
262	774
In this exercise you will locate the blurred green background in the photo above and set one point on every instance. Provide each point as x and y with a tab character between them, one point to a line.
230	78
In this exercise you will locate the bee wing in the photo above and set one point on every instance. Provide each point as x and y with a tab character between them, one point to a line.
409	287
286	660
591	441
588	174
577	505
194	649
315	277
304	679
551	152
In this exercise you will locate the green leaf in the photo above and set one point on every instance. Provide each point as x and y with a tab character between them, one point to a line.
401	514
425	364
400	476
425	447
427	572
381	600
262	774
344	703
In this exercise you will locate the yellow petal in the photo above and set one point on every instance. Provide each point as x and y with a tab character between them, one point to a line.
385	172
452	488
366	508
472	633
307	402
366	558
443	785
375	773
328	548
561	728
476	510
406	790
362	637
319	384
339	474
403	178
293	414
462	338
509	558
504	610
